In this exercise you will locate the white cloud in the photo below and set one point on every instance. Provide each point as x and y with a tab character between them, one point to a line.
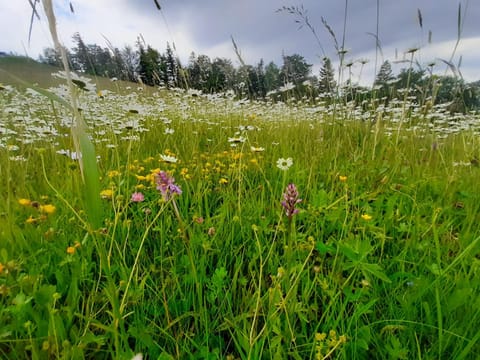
15	20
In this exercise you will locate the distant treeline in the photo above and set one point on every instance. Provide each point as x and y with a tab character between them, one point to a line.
293	79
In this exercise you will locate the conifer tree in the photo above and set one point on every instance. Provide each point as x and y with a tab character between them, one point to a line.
171	68
148	64
272	77
199	71
326	81
385	74
81	56
383	80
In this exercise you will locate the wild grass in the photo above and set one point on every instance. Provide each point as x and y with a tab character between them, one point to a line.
381	261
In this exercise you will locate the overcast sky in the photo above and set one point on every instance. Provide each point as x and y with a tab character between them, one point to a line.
206	27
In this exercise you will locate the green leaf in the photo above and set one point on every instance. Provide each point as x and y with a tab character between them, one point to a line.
44	295
218	278
349	253
21	299
435	269
375	270
459	297
92	182
91	338
4	255
324	248
165	356
320	198
363	337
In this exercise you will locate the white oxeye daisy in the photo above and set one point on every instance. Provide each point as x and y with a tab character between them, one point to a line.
284	164
239	139
256	149
12	147
169	159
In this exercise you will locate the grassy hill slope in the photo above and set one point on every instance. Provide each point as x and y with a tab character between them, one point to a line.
27	70
15	69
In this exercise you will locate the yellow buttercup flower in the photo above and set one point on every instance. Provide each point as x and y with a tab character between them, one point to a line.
106	194
31	220
365	283
150	178
366	217
47	209
342	178
184	173
169	152
24	202
113	173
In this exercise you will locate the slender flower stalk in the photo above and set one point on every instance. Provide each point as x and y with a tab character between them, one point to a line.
167	187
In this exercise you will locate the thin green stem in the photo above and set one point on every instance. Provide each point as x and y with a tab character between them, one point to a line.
137	257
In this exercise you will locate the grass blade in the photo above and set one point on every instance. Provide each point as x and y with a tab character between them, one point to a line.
91	181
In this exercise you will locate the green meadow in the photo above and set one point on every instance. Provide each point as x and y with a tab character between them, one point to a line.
236	229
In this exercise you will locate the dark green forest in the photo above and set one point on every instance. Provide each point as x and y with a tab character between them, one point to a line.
292	79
